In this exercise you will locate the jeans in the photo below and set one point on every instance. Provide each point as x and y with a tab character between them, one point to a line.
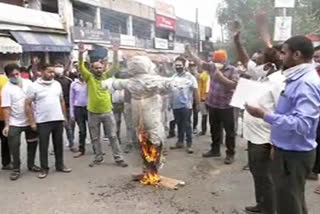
81	118
117	112
259	156
183	120
109	126
289	171
54	128
219	119
204	122
195	117
5	151
14	138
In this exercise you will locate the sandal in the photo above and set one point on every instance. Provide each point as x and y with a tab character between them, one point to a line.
317	190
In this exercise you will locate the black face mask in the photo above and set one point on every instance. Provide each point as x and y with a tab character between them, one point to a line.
179	69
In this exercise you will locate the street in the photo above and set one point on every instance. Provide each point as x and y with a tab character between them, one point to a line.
211	187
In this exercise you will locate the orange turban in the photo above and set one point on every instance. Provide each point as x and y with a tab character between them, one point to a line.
220	56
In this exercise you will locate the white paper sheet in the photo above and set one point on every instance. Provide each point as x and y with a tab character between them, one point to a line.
246	91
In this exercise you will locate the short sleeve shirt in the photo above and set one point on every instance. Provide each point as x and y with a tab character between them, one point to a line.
219	95
182	97
14	97
47	101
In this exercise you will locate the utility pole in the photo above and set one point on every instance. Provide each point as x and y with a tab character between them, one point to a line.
197	32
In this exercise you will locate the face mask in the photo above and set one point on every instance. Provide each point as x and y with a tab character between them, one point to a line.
260	72
14	80
46	82
179	69
58	70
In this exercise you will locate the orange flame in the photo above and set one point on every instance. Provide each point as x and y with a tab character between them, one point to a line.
151	155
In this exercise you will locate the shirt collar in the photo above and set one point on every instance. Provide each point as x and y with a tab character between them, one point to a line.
297	71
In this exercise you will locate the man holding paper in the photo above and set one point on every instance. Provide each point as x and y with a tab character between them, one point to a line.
293	125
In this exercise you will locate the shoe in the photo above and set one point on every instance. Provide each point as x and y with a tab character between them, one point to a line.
171	136
15	175
128	148
74	150
211	154
43	174
229	160
190	150
8	167
246	167
78	155
122	163
177	146
313	176
96	162
202	134
65	170
34	169
253	210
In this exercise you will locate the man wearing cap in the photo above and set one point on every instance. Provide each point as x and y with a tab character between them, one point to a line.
224	79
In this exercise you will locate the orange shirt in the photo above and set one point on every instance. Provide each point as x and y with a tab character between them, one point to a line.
3	81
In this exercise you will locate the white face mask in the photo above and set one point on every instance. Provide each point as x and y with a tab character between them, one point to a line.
260	72
45	82
58	70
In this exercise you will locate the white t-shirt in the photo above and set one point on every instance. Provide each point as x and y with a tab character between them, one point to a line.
14	97
47	101
257	130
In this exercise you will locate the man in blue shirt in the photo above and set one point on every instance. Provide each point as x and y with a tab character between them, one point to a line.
294	125
181	103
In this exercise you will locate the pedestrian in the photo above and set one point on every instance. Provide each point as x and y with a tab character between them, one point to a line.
78	111
13	104
65	84
195	112
100	108
181	102
46	114
204	83
5	150
224	79
257	132
294	125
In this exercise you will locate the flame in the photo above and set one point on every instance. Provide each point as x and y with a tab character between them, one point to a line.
151	155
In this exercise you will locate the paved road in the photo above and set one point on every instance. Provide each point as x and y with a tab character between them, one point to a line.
211	187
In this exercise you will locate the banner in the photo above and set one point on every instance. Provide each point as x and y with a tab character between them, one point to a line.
282	28
165	22
284	3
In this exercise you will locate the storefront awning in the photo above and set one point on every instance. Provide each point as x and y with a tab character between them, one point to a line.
42	42
7	45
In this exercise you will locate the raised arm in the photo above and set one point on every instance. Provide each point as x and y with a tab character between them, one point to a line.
115	63
82	68
241	51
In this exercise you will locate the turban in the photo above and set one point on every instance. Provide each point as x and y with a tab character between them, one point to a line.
220	56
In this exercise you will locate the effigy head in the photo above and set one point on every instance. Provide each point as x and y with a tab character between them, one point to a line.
141	65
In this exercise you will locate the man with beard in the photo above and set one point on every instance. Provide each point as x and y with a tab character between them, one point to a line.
294	125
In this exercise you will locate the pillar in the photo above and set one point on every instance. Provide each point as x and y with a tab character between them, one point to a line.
129	26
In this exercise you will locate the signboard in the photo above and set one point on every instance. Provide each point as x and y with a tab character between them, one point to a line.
165	23
165	9
127	40
179	47
284	3
89	35
161	43
282	29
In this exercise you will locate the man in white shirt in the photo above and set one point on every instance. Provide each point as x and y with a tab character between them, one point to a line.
13	100
47	116
257	132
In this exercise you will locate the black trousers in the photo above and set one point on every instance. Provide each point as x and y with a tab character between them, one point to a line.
260	167
289	171
204	122
55	129
222	119
81	117
5	151
195	117
183	120
14	138
316	167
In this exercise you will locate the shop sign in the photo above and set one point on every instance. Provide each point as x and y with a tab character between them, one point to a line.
165	23
161	43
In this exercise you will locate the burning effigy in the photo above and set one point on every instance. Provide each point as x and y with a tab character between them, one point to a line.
146	89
